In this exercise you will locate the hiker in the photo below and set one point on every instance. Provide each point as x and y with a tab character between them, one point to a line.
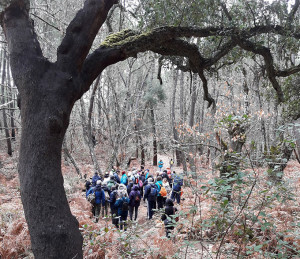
171	163
122	205
169	222
95	178
160	165
130	185
166	185
88	185
106	178
113	208
147	174
122	190
151	196
165	175
116	175
124	178
142	180
177	184
105	207
99	199
134	202
111	183
160	199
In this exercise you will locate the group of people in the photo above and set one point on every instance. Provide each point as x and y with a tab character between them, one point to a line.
124	191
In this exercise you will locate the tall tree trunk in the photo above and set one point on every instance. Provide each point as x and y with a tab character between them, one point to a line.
88	137
173	120
90	111
12	104
5	125
154	141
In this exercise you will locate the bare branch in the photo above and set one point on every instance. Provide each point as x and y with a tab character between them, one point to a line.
266	54
288	72
292	14
22	41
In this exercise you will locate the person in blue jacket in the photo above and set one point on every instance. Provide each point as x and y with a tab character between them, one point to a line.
95	178
160	199
160	165
124	178
113	209
99	199
177	184
122	205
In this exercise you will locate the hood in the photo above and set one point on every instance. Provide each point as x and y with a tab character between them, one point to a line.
122	187
135	188
169	203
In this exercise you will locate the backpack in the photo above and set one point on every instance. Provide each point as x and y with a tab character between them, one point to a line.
91	197
110	184
125	206
153	192
163	191
141	184
137	198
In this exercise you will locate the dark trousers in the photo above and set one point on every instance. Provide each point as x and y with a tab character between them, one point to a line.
151	206
135	209
164	201
175	195
122	221
114	216
160	202
97	208
168	228
142	191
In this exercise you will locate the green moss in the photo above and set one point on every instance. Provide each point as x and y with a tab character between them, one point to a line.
123	37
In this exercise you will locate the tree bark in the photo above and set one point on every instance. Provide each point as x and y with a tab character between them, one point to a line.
48	92
88	137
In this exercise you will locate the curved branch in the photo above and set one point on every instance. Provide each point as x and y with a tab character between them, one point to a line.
207	97
288	72
110	13
81	33
160	64
266	54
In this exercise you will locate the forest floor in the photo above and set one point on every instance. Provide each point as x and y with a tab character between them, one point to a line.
143	239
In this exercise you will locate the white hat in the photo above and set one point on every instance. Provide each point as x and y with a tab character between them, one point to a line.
98	182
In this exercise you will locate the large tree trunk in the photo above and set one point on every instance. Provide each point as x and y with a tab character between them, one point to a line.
48	92
53	229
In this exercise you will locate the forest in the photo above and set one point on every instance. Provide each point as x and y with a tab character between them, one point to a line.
204	94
